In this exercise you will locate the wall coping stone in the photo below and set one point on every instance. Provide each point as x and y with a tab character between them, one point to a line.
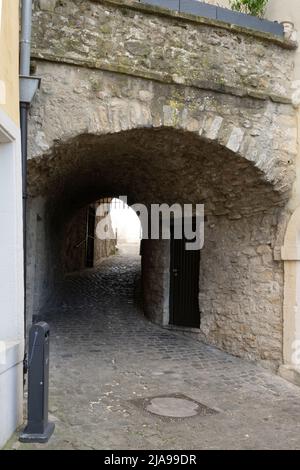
158	10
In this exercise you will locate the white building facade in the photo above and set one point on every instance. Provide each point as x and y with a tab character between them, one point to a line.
11	228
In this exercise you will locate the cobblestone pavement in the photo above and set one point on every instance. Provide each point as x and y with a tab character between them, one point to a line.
105	356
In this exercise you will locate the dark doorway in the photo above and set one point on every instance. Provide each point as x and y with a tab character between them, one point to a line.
184	283
90	237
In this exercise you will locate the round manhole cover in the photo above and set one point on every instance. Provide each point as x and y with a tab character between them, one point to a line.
172	407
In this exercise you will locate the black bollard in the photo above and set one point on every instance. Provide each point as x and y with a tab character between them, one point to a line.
38	428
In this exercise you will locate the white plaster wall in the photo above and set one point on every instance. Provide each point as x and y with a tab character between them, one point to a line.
11	279
11	392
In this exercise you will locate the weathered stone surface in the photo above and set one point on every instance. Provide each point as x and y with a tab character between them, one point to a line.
48	5
156	280
74	248
77	102
103	248
75	240
241	287
168	110
110	135
100	34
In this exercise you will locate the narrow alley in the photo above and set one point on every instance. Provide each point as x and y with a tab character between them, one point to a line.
107	360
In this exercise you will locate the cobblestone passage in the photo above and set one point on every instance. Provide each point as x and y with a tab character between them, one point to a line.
106	357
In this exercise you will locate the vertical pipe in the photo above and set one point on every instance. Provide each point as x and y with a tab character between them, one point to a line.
25	44
24	135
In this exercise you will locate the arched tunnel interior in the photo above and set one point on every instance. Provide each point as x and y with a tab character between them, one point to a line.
239	285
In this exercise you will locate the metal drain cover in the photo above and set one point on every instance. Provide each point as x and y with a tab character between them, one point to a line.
173	407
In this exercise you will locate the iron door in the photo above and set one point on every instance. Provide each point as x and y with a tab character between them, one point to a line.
90	237
184	284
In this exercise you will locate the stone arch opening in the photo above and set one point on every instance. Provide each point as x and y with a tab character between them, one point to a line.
97	231
240	283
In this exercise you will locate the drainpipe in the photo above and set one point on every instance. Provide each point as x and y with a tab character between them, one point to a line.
28	88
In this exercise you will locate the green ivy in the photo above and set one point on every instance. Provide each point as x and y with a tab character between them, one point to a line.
252	7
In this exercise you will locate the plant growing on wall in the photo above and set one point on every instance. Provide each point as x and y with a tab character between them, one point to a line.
251	7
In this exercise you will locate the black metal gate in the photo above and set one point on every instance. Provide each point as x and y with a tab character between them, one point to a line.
90	237
184	284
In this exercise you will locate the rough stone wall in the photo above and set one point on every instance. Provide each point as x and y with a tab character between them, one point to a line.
129	37
75	102
37	253
156	280
103	248
74	246
241	287
44	259
168	163
170	109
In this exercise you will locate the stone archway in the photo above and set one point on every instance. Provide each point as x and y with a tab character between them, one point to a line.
290	254
240	284
76	102
139	122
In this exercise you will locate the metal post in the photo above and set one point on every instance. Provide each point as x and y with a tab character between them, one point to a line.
38	428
